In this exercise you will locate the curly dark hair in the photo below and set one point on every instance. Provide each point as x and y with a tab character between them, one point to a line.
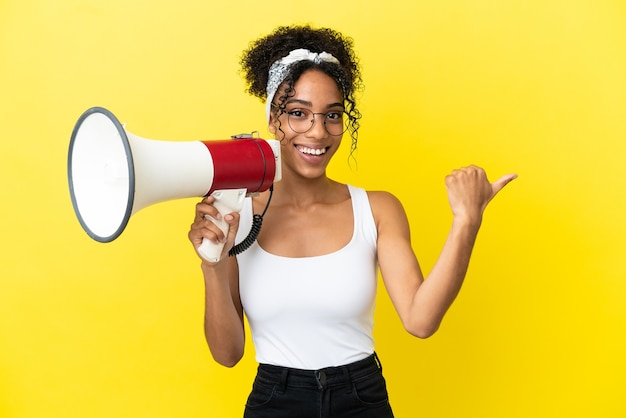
263	52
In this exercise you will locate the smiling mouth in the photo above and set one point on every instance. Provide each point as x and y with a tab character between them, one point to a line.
311	151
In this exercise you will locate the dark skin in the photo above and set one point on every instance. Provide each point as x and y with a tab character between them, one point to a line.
311	215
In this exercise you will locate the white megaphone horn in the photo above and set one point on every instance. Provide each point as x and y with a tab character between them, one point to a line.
113	174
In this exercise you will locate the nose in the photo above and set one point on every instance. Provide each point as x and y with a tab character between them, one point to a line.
318	130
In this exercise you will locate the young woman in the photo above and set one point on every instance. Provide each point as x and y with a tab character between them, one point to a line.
308	285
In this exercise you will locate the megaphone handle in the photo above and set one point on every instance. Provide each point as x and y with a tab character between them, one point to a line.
226	201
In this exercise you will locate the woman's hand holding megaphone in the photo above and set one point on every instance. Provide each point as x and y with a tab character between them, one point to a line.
215	225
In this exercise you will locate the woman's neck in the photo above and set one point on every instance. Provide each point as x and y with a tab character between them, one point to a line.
304	192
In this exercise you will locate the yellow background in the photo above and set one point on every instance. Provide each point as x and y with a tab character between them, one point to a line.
536	87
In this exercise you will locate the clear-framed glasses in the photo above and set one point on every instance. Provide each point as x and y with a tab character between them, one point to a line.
302	120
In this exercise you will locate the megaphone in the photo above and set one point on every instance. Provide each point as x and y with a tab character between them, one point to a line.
113	174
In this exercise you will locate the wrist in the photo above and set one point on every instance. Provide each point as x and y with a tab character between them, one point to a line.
210	267
467	222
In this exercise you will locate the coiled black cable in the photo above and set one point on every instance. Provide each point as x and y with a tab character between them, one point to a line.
257	222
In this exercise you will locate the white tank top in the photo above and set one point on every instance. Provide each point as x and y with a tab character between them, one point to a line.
312	312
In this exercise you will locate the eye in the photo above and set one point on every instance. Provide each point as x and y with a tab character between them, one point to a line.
297	114
334	116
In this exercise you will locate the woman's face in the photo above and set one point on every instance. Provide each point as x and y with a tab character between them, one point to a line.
316	96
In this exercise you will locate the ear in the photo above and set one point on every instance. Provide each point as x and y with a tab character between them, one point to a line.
272	125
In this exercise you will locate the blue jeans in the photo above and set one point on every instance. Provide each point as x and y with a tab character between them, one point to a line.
355	390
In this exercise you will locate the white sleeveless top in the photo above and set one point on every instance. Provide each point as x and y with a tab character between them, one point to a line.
312	312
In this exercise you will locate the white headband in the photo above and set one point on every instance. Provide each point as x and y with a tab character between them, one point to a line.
279	70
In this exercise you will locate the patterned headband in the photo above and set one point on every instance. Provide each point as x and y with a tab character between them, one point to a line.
280	68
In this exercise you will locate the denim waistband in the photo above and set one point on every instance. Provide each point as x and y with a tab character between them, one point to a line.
326	377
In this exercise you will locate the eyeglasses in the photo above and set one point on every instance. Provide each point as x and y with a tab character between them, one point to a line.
302	120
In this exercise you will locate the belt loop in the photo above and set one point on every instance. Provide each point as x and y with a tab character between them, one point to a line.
378	363
348	378
320	377
282	384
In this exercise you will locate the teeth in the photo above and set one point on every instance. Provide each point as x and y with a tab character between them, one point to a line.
312	151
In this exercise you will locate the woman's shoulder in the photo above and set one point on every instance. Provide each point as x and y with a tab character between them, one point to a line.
382	197
384	202
388	212
381	201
